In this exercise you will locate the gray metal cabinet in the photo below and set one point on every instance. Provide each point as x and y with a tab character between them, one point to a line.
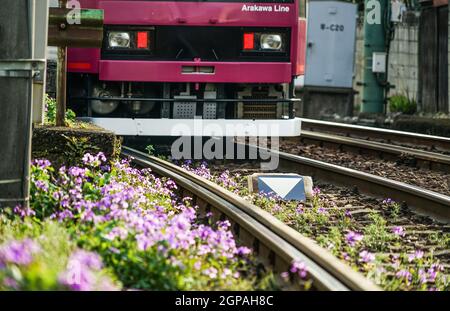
330	50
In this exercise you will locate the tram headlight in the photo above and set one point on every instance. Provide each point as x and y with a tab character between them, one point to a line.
272	42
119	39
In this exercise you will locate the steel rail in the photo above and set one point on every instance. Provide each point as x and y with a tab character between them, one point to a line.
406	138
425	159
283	244
421	200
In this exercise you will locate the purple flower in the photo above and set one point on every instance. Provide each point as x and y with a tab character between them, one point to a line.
64	203
353	237
299	267
346	256
23	211
42	163
277	208
404	274
226	273
388	201
56	195
243	251
41	185
94	161
117	232
63	215
82	273
224	225
226	181
211	272
433	271
202	170
418	254
321	210
398	230
18	252
316	191
77	172
423	276
366	256
87	259
114	250
170	184
197	265
11	283
105	168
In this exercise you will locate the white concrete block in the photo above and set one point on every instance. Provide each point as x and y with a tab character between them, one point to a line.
286	186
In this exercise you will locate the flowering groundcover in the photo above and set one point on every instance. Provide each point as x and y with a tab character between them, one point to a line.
109	226
367	251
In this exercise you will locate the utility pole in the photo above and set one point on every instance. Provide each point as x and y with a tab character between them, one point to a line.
17	70
61	78
374	47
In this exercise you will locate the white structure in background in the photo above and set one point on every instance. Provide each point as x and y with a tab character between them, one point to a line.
397	10
39	52
52	51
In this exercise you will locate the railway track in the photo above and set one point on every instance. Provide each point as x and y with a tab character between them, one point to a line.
421	158
377	151
275	244
407	139
363	199
421	200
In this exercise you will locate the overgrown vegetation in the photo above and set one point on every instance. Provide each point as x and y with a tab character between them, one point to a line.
50	113
367	248
403	104
76	148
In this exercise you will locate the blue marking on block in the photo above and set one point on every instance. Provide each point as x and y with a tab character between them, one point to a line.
288	187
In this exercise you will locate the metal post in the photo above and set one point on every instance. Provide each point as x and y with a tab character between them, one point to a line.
61	78
61	87
16	35
374	41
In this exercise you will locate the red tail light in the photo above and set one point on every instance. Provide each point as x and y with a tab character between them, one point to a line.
142	40
79	66
249	41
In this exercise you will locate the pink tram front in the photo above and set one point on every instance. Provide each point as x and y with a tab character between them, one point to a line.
226	63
